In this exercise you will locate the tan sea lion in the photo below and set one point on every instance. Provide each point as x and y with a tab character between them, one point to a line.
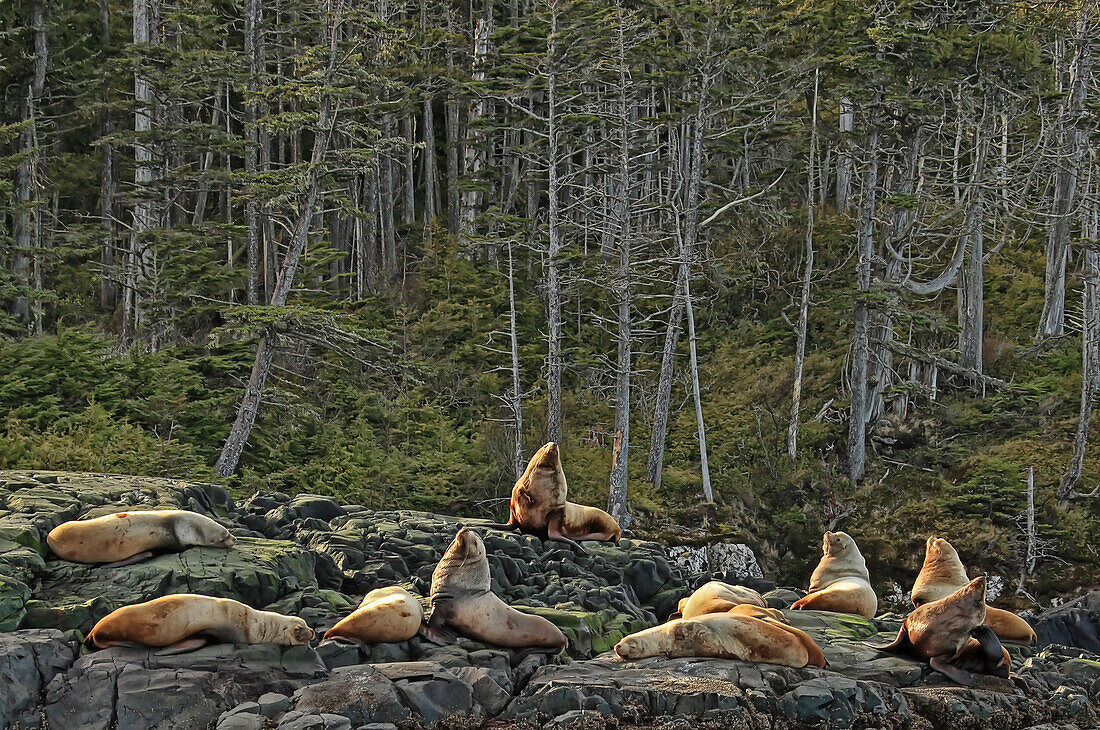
184	621
840	583
943	573
463	602
731	635
941	633
127	537
539	505
716	597
385	615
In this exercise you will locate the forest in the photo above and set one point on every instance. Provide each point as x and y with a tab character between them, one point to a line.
761	268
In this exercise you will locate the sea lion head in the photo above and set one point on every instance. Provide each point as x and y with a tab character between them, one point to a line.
974	590
470	544
195	529
936	549
545	476
464	568
298	631
837	544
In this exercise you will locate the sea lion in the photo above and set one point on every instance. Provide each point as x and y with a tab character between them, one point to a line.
840	583
385	615
940	632
983	654
127	537
731	635
943	573
539	505
462	602
185	621
716	597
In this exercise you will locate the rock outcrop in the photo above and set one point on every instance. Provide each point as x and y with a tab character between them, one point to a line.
313	557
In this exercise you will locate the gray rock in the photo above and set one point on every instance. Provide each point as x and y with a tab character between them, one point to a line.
362	694
272	704
240	722
28	661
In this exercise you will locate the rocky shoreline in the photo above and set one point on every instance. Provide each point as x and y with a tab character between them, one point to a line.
312	557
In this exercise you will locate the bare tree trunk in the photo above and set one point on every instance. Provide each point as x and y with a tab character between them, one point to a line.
708	493
454	157
387	197
431	183
108	181
25	232
518	465
265	349
1052	320
857	417
659	432
844	158
252	12
1030	534
971	301
617	493
408	209
807	277
553	275
1090	372
475	150
145	218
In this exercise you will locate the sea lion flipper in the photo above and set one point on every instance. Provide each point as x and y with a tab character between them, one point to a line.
435	628
553	532
941	665
180	647
442	636
897	646
990	643
144	555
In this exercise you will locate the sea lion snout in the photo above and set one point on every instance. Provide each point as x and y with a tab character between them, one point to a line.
548	456
303	634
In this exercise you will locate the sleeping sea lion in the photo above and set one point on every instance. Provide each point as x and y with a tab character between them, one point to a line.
716	597
840	582
732	635
462	602
127	537
385	615
184	621
941	633
943	573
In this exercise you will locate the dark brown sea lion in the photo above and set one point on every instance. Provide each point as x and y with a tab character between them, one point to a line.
943	573
941	633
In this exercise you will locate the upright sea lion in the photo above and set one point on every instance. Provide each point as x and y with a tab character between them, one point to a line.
183	622
385	615
943	573
731	635
716	597
462	602
539	505
840	582
127	537
941	633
